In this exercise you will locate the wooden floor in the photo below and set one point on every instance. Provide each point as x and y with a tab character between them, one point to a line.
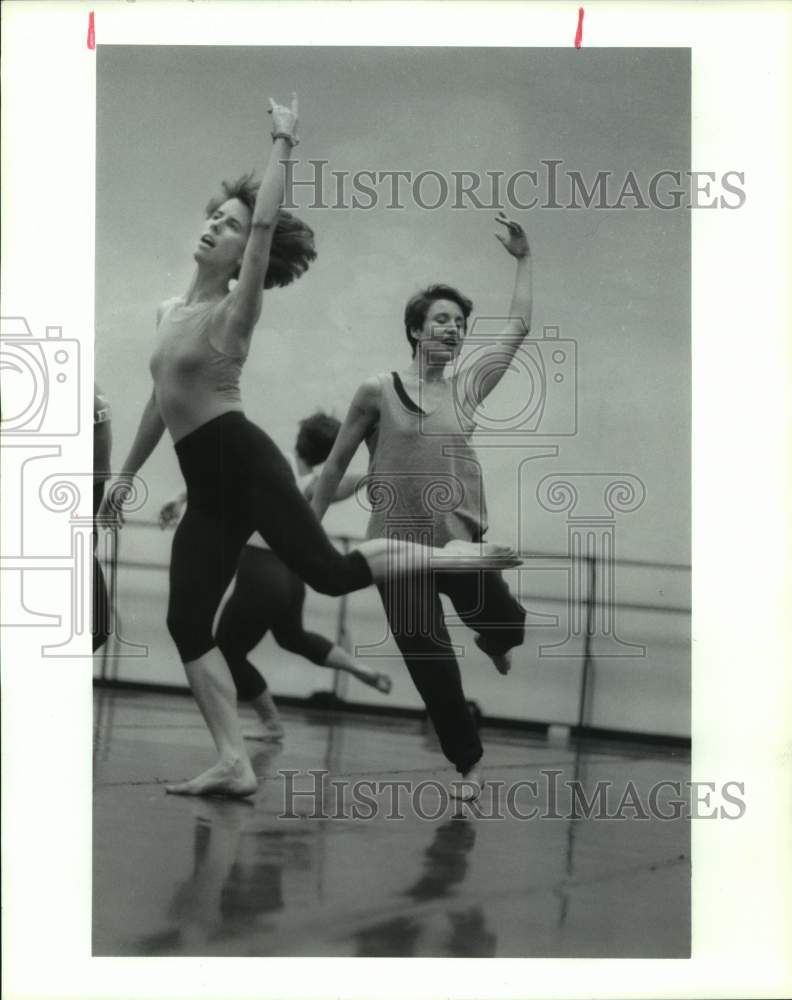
295	877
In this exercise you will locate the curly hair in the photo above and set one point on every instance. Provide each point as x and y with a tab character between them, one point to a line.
293	246
316	437
416	309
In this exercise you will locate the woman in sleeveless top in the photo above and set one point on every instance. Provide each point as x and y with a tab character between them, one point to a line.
268	596
424	483
237	480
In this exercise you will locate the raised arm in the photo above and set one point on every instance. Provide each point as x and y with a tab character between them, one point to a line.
360	421
245	300
492	363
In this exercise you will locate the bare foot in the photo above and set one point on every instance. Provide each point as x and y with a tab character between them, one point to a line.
235	779
459	555
502	661
271	729
468	787
268	732
381	682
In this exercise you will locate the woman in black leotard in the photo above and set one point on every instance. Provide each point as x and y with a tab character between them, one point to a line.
237	480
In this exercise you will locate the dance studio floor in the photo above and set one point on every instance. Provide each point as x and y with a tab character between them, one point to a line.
176	876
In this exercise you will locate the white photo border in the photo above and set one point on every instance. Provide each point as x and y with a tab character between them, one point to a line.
741	312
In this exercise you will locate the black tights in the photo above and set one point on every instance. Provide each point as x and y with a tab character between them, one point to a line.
267	595
238	482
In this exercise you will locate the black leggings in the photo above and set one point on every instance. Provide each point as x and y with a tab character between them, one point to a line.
238	482
267	595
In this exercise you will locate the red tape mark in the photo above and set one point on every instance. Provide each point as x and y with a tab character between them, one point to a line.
91	33
579	32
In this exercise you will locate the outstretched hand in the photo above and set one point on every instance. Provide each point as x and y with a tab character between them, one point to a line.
284	120
170	513
112	510
516	242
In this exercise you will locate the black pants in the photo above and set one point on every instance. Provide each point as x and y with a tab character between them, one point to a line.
267	595
238	482
100	622
415	615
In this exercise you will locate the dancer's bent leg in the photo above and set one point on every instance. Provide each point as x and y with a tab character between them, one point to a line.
485	604
255	603
288	629
244	622
290	633
389	558
429	657
339	659
284	518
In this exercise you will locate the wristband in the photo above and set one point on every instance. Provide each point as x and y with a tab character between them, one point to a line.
291	139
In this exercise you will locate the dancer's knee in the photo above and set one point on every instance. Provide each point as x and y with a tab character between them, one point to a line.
248	682
288	639
228	642
192	637
234	655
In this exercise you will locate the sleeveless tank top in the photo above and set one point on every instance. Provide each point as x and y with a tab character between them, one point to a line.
194	380
424	479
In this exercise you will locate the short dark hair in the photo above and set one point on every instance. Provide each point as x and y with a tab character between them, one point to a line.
416	309
316	437
293	246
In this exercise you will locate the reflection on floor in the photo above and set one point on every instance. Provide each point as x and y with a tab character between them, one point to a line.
290	874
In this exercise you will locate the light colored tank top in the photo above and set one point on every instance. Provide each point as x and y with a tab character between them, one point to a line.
195	381
424	479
